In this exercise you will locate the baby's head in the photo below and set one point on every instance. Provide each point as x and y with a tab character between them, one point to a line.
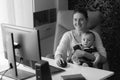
87	39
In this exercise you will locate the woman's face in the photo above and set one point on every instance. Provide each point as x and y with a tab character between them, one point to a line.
79	22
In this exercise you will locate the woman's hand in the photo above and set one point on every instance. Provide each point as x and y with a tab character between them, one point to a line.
60	61
76	55
97	59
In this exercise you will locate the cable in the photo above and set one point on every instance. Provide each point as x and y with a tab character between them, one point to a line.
21	59
5	72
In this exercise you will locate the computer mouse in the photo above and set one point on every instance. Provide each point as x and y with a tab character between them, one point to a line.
63	63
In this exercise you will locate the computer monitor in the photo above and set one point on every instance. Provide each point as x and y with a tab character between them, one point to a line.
22	41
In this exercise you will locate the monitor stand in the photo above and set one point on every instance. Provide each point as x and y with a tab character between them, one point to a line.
14	72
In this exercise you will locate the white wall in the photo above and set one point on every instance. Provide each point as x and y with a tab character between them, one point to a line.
23	12
3	19
44	4
62	4
7	15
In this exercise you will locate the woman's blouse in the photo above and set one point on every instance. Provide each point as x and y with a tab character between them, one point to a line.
68	40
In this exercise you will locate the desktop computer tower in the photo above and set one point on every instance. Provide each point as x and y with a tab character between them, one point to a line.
43	71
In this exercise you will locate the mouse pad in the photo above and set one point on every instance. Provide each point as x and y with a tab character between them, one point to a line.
55	70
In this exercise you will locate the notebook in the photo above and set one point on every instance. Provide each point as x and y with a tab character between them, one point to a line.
73	77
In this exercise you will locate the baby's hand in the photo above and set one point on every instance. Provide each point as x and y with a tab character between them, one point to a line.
75	59
76	62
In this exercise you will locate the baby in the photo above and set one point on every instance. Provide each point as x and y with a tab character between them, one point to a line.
87	45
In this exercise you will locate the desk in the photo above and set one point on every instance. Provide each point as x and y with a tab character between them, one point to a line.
88	72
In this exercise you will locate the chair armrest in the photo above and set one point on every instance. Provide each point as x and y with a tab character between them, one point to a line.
106	66
51	56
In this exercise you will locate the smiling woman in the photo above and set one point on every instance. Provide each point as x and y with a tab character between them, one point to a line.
70	38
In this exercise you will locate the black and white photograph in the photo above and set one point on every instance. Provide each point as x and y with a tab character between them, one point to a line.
59	40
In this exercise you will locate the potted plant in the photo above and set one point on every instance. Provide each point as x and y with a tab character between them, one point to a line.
110	29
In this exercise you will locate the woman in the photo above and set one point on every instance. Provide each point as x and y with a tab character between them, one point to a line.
73	37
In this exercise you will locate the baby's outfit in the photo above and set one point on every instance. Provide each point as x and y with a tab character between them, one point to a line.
84	59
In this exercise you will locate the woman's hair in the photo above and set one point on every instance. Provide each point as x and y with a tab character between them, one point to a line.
82	11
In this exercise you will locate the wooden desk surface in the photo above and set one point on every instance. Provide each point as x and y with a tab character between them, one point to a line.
87	72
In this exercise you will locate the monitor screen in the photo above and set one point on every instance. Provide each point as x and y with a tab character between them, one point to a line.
27	38
25	41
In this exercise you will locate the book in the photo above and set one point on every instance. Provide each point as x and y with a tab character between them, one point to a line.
73	77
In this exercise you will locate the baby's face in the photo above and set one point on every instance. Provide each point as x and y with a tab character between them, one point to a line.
87	40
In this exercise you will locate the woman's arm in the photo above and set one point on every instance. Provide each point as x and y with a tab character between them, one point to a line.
88	55
100	47
64	44
97	59
81	53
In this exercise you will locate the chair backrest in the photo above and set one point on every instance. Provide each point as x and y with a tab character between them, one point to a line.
65	23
